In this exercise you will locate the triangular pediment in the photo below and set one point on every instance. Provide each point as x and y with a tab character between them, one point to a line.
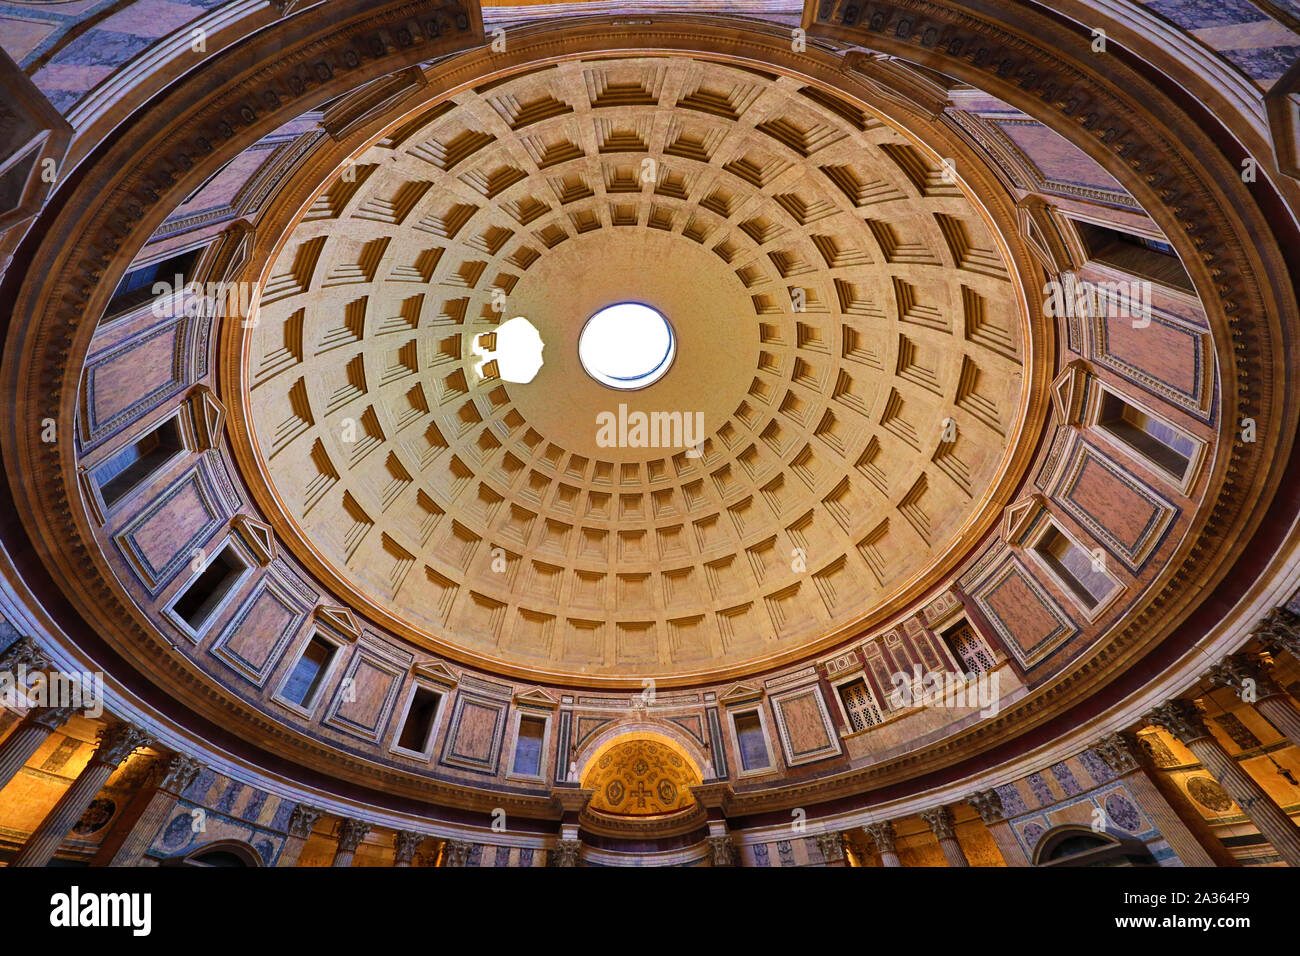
206	416
536	697
340	619
1019	515
1070	391
258	537
739	693
436	671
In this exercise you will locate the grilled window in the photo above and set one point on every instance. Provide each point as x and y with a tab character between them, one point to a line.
860	704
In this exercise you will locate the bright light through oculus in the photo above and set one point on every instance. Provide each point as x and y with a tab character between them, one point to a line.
518	351
627	346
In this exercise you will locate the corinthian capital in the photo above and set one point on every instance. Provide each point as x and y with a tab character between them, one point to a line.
51	718
1182	718
24	652
1249	676
940	822
1119	752
456	853
831	846
405	843
351	833
883	835
1280	631
302	820
177	772
566	852
988	805
118	741
722	851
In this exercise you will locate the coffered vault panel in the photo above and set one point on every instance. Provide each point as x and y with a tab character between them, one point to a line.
841	310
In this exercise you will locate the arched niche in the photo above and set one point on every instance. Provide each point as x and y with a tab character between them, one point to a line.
220	853
641	774
1073	845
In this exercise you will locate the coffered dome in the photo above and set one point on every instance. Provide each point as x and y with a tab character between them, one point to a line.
946	482
847	330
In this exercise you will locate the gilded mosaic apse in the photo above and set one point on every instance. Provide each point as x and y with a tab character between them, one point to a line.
644	776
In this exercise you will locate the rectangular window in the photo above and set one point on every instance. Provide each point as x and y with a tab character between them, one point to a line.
1073	566
751	742
859	704
309	673
1168	449
1136	255
528	748
203	595
136	287
134	465
969	648
419	721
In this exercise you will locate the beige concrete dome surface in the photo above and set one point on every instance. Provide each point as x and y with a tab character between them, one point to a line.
847	332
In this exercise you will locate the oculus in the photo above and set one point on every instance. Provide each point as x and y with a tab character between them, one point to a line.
627	346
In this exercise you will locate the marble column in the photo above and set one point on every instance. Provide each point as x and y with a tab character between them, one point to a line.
882	834
301	822
722	850
1162	802
1184	720
832	848
148	811
940	822
116	743
456	853
27	737
351	833
988	805
1251	678
405	845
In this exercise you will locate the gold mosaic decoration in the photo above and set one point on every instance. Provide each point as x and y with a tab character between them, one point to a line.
641	777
